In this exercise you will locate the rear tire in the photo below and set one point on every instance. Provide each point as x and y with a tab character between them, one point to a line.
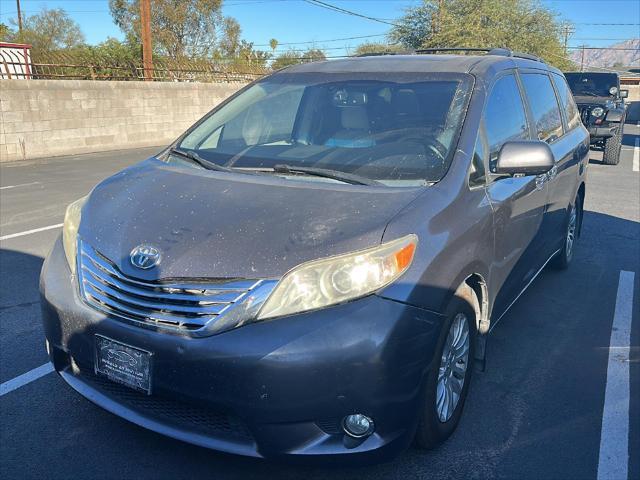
441	410
612	147
572	230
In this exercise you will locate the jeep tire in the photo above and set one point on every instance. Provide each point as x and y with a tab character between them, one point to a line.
612	148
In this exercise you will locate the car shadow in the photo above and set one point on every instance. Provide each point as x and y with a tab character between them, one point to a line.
18	268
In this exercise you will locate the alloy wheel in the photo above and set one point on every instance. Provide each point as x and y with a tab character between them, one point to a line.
571	232
453	367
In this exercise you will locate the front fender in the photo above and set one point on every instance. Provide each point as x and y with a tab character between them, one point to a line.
615	115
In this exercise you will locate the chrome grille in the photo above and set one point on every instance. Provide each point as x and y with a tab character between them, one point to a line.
181	305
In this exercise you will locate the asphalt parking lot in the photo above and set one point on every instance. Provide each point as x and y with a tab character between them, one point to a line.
537	412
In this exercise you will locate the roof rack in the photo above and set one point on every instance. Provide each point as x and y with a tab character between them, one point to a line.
377	54
503	52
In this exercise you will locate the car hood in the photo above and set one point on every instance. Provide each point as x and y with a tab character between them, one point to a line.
210	224
589	100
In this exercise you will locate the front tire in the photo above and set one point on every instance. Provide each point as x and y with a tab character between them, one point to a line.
612	147
448	379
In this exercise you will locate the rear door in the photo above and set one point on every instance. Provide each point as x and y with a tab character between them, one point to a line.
563	188
518	202
550	126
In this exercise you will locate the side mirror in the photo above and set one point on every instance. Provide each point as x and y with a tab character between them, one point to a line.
624	93
525	158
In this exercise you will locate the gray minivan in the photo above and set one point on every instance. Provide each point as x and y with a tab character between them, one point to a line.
312	268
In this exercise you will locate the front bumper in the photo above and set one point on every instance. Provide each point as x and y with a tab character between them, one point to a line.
271	389
602	132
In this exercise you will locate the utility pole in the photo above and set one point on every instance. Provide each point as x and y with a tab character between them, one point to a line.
566	30
436	25
19	16
145	31
582	61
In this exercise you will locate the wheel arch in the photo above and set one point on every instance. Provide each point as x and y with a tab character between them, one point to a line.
478	285
582	190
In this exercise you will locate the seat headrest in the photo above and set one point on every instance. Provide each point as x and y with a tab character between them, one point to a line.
405	102
354	118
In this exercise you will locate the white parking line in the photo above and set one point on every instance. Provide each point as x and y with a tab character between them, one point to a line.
29	232
19	185
22	380
614	437
636	156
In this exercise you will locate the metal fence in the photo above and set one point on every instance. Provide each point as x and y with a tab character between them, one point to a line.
16	64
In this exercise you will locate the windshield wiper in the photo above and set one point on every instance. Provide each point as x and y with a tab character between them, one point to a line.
194	157
326	173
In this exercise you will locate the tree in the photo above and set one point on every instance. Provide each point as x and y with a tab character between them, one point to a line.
378	47
285	59
112	52
273	43
238	53
48	31
230	43
5	32
294	57
313	55
414	28
522	25
180	28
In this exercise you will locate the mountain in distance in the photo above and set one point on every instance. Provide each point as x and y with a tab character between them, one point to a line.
630	57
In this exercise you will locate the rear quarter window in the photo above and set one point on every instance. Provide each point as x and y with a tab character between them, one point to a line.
567	101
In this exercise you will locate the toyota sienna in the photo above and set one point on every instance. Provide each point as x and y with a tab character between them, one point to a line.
314	267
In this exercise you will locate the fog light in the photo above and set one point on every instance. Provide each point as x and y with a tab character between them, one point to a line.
357	425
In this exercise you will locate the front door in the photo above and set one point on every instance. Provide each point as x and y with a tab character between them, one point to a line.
518	203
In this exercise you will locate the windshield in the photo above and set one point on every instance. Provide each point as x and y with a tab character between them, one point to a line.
397	132
595	84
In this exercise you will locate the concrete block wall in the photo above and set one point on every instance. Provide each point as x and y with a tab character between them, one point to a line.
43	118
634	92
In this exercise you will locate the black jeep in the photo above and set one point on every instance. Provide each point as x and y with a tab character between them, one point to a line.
602	109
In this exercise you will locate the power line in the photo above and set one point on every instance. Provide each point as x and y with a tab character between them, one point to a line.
605	48
601	38
323	41
13	12
591	66
611	24
334	8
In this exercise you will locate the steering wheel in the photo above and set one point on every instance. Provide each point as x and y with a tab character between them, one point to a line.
436	147
431	145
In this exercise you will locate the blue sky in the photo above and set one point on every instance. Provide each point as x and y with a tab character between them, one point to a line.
297	21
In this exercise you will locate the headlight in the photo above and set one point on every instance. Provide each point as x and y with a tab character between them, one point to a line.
597	112
333	280
70	231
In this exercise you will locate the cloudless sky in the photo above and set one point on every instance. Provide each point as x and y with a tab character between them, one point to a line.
298	21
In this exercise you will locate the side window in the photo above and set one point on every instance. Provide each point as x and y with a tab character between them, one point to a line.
567	101
504	117
544	106
478	174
